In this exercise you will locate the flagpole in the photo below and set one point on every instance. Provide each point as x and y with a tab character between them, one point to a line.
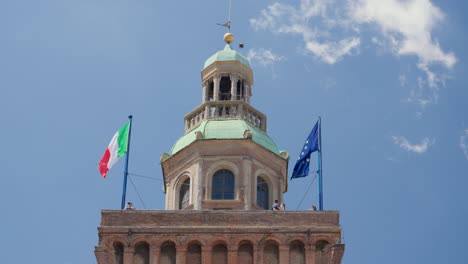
124	191
320	164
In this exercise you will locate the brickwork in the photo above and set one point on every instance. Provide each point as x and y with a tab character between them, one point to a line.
221	236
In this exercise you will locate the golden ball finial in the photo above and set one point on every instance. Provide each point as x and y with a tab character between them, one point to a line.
228	38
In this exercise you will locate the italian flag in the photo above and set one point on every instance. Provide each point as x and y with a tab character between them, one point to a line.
117	147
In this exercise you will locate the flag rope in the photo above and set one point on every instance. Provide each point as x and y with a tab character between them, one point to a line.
138	194
143	176
308	189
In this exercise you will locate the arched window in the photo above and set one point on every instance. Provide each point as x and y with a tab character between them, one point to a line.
219	254
262	193
141	253
184	194
297	252
271	253
168	253
320	249
118	252
193	254
245	254
223	185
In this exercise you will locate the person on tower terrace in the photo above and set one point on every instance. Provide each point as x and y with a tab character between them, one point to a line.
282	207
275	206
129	206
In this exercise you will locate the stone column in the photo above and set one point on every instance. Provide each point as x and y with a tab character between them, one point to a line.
284	254
206	255
247	93
233	87
248	188
205	91
198	187
181	254
154	255
128	255
216	81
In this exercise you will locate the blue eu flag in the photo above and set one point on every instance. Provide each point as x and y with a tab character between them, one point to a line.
301	169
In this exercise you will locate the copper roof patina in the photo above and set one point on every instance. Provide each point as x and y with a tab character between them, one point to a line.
225	129
228	54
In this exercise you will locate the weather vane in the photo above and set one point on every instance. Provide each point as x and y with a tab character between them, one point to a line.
228	23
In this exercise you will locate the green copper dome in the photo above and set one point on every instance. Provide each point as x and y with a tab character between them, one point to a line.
225	129
228	54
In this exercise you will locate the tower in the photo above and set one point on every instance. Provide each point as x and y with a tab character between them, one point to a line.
225	160
220	179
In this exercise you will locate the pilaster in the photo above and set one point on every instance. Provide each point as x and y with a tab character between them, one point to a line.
206	255
154	255
310	254
246	184
232	256
284	254
198	184
181	254
129	252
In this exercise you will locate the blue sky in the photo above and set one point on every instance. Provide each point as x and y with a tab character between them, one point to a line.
388	78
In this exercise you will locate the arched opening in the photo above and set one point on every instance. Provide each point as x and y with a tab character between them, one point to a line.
245	253
168	253
141	253
210	91
320	249
223	185
297	252
118	252
184	194
262	193
193	253
219	254
225	89
271	253
240	90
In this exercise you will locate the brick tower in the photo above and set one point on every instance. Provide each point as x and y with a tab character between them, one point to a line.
220	180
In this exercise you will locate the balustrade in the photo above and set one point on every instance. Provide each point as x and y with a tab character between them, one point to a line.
225	109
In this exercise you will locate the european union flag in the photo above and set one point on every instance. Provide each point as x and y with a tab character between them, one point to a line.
301	169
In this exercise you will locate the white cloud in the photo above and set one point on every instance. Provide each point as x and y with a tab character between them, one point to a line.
464	143
331	52
408	27
264	57
330	30
418	148
283	18
409	23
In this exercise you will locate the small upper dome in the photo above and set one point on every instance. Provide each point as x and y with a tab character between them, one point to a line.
228	54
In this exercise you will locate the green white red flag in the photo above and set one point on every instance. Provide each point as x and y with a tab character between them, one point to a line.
116	149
